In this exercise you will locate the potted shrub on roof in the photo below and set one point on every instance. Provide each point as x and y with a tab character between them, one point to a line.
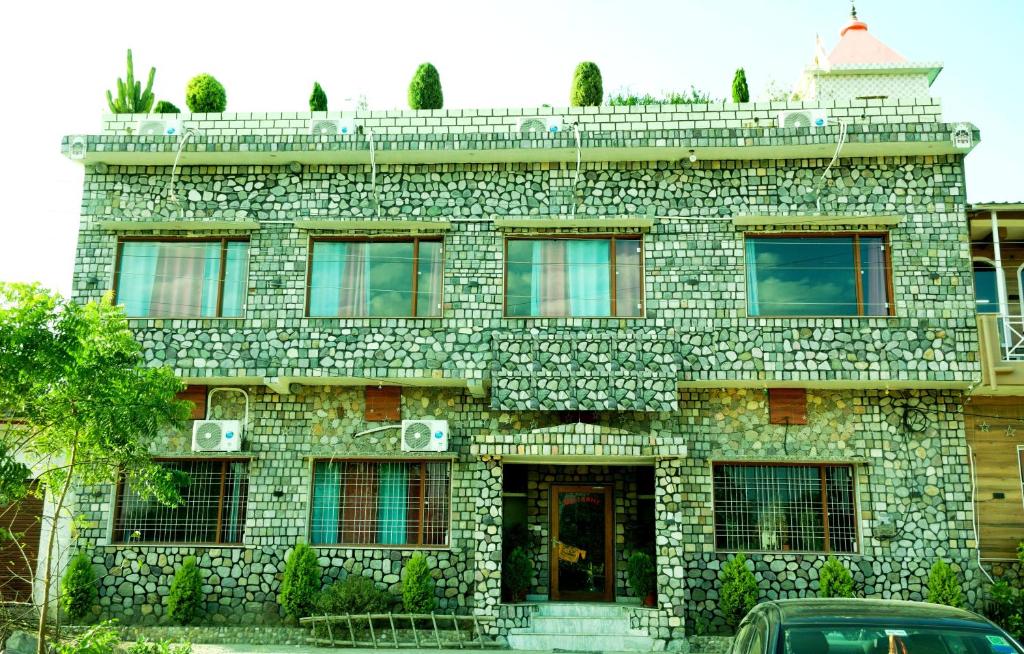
425	88
642	576
205	95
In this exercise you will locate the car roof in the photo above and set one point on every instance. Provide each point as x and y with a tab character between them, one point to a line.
869	611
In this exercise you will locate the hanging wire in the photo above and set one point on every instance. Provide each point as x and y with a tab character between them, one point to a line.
171	197
373	171
579	159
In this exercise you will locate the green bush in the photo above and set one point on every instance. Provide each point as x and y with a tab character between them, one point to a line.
834	580
165	107
78	588
740	92
642	575
318	99
739	590
185	598
205	95
418	585
354	594
944	586
425	88
587	88
102	638
627	98
300	584
1005	603
146	646
516	573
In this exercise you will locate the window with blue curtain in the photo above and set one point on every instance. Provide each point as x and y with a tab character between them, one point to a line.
817	275
397	278
380	502
182	278
574	277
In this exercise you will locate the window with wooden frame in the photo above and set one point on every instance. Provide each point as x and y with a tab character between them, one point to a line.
784	507
393	278
182	278
381	503
214	496
566	276
818	274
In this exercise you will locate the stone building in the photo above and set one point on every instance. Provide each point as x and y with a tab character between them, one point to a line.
681	330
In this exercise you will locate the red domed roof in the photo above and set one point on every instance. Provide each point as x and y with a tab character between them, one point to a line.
856	46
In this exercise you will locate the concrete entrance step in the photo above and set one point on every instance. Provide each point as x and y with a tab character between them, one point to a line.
548	624
580	610
581	642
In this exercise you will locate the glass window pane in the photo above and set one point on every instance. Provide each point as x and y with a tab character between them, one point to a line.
629	278
362	279
518	278
169	279
236	273
986	288
801	276
429	277
389	269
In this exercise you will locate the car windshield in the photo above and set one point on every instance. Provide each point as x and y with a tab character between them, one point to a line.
823	639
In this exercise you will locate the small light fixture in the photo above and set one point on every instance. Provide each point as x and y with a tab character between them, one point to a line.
935	276
278	492
92	283
693	281
295	167
693	156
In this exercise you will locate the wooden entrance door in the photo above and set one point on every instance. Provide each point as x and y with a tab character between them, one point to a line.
18	556
582	546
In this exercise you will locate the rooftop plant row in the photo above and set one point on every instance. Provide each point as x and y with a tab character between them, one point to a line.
204	94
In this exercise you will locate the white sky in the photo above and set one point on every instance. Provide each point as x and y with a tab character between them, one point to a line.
57	59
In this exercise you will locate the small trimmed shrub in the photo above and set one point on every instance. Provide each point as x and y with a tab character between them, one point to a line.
146	646
300	584
354	594
102	638
739	590
205	95
834	580
317	99
740	92
642	575
165	107
516	573
185	598
587	87
418	585
425	88
78	588
944	586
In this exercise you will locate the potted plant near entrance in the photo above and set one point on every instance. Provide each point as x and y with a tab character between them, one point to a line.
642	576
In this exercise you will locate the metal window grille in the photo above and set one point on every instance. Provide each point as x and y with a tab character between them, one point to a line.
802	508
381	503
213	506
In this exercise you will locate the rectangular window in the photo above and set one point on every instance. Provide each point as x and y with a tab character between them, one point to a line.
182	278
820	275
363	279
380	503
776	508
578	277
212	510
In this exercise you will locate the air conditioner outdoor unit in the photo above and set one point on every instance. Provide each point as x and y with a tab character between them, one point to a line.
803	118
159	128
217	436
424	435
332	126
527	125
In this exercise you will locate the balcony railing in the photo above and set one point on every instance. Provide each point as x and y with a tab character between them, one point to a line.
1001	341
1011	337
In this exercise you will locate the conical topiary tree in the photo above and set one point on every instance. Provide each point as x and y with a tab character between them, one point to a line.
318	99
834	580
740	92
205	95
739	590
587	87
131	99
943	585
425	88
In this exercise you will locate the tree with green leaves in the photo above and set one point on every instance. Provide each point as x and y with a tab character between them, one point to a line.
78	588
185	596
944	586
739	590
418	585
318	99
300	585
740	92
587	87
131	98
425	88
834	580
81	405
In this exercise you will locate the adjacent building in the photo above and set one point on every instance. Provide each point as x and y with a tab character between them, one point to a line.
687	330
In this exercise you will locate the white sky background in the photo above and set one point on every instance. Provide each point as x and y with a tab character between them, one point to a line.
58	58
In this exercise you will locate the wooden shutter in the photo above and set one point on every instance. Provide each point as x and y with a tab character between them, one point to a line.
384	403
18	564
196	395
787	406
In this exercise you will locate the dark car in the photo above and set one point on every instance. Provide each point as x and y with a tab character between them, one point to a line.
864	626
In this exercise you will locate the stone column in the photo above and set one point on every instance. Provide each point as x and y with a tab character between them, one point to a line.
487	537
669	548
